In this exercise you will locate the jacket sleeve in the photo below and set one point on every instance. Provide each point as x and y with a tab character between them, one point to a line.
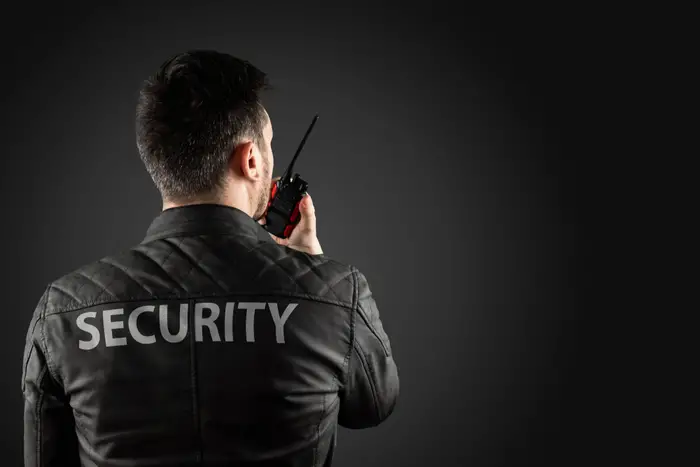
372	386
49	433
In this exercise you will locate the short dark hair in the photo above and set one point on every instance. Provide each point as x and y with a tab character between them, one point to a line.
190	115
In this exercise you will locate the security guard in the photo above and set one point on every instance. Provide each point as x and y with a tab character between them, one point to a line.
211	342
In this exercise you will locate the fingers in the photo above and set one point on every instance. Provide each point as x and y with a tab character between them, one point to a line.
280	241
304	237
308	214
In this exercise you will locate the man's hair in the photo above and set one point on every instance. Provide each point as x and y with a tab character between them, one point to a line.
191	114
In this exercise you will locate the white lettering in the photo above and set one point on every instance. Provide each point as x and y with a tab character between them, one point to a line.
134	330
111	322
200	321
109	325
163	318
228	321
250	308
90	329
279	322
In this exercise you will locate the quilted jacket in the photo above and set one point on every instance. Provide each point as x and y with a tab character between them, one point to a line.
207	344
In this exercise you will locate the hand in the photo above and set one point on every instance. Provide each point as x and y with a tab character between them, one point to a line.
303	237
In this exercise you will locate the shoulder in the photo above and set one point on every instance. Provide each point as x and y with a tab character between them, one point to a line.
110	278
137	273
319	276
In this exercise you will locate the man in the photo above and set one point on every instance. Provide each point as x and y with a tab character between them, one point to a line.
211	342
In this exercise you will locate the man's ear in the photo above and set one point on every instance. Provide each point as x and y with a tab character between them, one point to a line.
244	161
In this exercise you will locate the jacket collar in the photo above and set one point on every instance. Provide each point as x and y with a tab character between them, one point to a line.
204	219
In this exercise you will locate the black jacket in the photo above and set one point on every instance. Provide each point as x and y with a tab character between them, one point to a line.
208	344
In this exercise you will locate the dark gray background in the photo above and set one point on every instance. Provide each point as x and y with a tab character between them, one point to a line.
446	165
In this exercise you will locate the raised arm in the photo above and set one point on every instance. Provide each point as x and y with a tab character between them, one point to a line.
372	388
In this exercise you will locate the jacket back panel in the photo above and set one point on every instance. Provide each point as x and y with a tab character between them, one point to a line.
211	348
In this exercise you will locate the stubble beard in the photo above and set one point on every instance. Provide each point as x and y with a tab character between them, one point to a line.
263	193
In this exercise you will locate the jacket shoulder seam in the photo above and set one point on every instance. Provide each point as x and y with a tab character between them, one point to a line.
36	319
42	330
348	354
37	416
89	304
363	314
369	372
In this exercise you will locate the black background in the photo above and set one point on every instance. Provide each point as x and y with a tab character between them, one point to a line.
447	164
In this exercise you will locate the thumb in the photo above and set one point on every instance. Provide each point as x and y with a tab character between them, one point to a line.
308	214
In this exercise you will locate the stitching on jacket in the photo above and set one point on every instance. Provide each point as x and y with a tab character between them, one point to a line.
105	291
310	268
26	363
221	256
331	286
37	415
346	361
184	278
256	248
372	329
180	280
195	264
126	273
278	293
64	292
298	275
296	278
272	262
355	288
106	287
268	265
44	298
279	266
82	285
315	271
193	385
370	374
89	278
49	360
318	430
160	265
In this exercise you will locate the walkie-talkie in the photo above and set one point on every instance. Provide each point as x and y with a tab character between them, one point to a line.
283	208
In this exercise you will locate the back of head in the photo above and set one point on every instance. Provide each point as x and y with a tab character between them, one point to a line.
191	114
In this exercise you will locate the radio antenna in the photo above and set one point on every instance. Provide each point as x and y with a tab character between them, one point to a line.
287	176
